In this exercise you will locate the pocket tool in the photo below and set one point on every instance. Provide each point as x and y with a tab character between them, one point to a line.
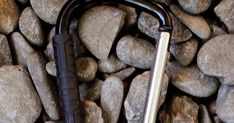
65	59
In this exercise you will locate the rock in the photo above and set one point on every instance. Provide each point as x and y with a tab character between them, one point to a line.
166	2
21	48
91	91
92	113
191	80
216	58
205	117
51	68
131	15
185	52
99	27
135	52
212	108
217	120
195	6
111	65
49	52
5	53
9	16
36	66
125	73
112	93
86	69
225	11
30	27
49	122
23	1
215	31
134	103
48	11
19	101
225	103
197	24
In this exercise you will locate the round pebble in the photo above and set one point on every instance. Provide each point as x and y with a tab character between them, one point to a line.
195	6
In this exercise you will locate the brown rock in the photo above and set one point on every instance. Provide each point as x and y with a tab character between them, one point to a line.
212	107
131	15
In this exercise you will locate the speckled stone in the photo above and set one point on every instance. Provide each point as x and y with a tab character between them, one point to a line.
195	6
51	68
125	73
5	53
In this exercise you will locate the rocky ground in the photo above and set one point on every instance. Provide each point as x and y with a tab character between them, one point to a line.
113	60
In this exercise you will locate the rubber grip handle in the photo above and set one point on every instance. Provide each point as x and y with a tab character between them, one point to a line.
66	77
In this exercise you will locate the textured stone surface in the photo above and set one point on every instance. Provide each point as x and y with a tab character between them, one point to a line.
49	52
30	27
112	93
166	2
19	101
131	15
197	24
215	31
125	73
5	53
51	68
47	10
205	117
99	27
216	58
135	52
195	6
191	80
9	16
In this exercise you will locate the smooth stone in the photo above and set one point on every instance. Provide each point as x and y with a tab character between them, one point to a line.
197	24
185	52
47	10
91	91
215	31
51	68
99	27
212	107
225	103
30	26
134	103
216	58
205	117
5	53
225	11
112	94
36	66
195	6
135	52
49	52
191	80
111	65
92	112
21	48
125	73
131	15
19	100
86	69
9	16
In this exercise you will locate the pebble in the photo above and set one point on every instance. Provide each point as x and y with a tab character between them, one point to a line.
217	120
185	52
86	69
19	100
111	65
30	26
212	107
47	10
135	52
112	94
125	73
5	53
191	80
134	103
195	6
99	27
205	117
166	2
51	68
49	52
197	24
131	15
9	16
216	58
215	31
50	122
225	103
225	11
36	66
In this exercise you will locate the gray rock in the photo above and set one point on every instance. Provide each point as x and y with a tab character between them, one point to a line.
135	52
195	6
131	15
21	48
30	27
51	68
47	10
225	11
125	73
99	27
205	117
112	94
197	24
225	103
191	80
215	31
49	52
19	101
216	58
23	1
86	69
166	2
5	53
92	112
134	103
36	66
111	65
9	16
185	52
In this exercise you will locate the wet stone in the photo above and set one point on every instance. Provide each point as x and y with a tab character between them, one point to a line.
5	53
195	6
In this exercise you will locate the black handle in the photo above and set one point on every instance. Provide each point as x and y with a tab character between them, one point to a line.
66	75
